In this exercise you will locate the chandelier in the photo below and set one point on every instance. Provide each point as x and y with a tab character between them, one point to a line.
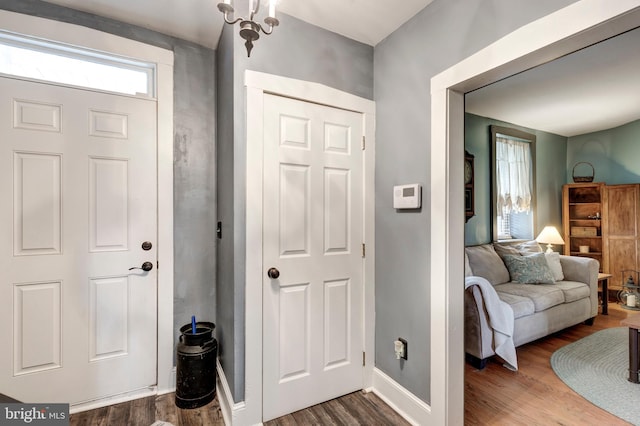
250	29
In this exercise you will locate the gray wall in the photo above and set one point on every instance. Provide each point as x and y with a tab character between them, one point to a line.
551	159
614	154
444	33
227	301
438	37
194	150
296	50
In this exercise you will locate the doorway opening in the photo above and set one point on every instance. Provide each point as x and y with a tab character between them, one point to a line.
509	55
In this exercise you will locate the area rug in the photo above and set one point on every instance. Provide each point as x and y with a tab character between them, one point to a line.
597	368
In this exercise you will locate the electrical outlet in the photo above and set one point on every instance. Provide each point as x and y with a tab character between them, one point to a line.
404	348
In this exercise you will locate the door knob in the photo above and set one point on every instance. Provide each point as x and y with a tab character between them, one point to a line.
146	266
273	273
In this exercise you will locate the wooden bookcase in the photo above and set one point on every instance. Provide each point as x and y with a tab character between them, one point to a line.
583	216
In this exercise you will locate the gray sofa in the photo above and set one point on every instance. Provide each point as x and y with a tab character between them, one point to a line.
539	309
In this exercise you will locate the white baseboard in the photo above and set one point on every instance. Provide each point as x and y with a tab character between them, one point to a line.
232	413
406	404
413	409
225	399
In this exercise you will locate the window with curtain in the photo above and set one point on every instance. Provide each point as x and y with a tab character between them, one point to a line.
513	185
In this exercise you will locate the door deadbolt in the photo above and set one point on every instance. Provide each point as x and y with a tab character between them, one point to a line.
146	246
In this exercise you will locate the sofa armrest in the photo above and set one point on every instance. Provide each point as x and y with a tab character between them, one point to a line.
581	269
584	270
478	336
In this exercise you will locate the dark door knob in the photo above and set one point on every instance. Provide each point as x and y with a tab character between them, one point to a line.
273	273
146	266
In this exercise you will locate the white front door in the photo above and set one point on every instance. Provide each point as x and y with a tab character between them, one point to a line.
313	234
78	181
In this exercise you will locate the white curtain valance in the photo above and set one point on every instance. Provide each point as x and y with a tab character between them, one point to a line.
513	175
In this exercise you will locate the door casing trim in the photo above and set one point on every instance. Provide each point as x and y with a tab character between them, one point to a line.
257	84
93	39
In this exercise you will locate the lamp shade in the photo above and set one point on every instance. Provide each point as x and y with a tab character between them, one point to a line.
550	235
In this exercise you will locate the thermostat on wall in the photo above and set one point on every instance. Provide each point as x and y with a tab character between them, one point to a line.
407	196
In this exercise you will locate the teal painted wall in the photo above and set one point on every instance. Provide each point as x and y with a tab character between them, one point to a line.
551	163
614	154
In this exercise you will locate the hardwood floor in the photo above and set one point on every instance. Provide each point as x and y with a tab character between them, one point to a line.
494	396
358	408
146	411
535	395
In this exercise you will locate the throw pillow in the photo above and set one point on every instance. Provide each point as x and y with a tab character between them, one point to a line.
553	259
486	263
529	247
504	249
532	269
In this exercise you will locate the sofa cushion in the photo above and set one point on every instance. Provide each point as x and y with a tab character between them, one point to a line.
532	269
522	306
553	260
529	247
486	263
543	296
573	290
504	249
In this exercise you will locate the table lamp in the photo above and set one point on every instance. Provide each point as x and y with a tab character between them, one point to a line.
549	236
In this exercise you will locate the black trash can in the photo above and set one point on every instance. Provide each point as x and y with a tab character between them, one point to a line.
196	366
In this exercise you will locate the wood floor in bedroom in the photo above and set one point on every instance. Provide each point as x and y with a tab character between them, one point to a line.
535	395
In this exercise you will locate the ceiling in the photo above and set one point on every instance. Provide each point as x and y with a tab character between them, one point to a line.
594	89
199	21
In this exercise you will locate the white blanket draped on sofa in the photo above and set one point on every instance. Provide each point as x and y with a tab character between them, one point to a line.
500	319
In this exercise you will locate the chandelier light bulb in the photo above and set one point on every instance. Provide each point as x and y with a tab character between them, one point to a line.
272	9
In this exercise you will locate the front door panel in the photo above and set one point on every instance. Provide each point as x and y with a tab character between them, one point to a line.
78	176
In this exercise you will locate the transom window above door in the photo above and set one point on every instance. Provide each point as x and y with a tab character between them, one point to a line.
35	59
